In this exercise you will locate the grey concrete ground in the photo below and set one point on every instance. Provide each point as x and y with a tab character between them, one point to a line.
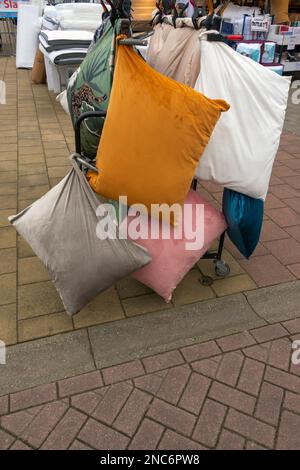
292	121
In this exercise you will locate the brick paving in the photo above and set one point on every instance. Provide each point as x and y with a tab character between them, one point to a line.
37	138
238	392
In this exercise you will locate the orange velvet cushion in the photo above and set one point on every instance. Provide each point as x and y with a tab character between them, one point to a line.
154	134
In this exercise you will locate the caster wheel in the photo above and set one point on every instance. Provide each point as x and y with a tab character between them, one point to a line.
206	280
222	269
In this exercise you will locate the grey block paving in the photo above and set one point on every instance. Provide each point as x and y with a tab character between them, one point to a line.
291	123
276	303
65	355
144	335
45	360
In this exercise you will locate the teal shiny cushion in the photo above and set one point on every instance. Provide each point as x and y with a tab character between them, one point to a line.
244	216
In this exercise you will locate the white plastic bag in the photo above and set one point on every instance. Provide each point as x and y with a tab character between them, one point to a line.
244	143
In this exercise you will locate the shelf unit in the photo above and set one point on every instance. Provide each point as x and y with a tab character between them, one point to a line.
282	41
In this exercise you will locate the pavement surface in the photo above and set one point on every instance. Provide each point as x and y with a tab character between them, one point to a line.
238	392
130	370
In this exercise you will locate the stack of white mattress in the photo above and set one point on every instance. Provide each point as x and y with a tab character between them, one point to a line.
72	39
64	47
80	16
83	16
67	31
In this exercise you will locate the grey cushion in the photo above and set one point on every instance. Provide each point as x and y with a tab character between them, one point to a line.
60	227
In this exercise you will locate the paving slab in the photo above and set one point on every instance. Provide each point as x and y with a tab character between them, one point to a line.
172	402
45	360
160	331
276	303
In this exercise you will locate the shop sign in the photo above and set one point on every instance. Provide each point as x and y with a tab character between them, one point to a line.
8	8
291	43
259	24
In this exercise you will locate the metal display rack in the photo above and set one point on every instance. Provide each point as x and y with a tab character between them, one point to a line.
8	34
222	269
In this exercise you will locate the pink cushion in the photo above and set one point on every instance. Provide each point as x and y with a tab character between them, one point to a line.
171	260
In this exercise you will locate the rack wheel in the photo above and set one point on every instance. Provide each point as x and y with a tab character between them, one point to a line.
206	280
222	269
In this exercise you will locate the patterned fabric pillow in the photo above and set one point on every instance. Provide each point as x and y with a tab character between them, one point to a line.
90	86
